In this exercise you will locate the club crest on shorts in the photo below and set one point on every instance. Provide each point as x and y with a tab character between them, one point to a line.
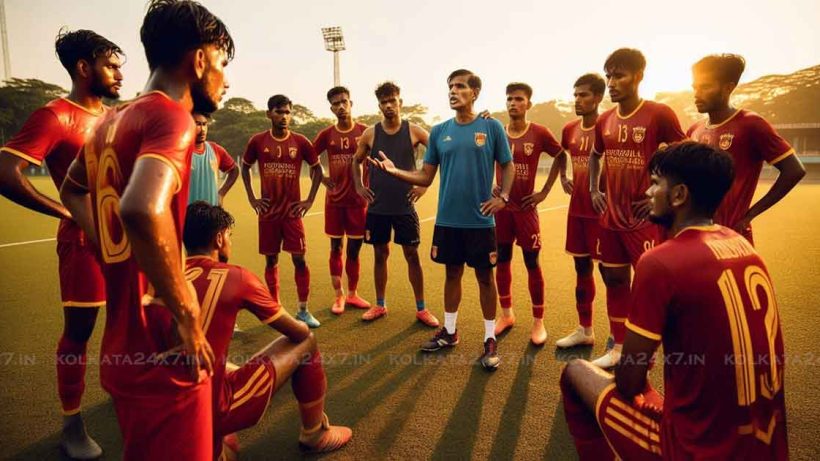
726	141
638	133
493	257
480	139
292	151
433	252
528	148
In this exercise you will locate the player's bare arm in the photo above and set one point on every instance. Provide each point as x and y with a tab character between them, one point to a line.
497	203
598	197
299	209
259	205
559	166
77	198
15	186
295	330
418	135
423	177
149	225
359	161
790	172
230	180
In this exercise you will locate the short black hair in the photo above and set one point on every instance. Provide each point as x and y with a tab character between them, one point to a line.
279	100
707	172
727	67
172	28
202	222
628	59
386	89
337	90
83	44
596	83
473	80
518	86
204	114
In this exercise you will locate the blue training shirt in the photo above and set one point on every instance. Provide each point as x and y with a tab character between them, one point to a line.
466	156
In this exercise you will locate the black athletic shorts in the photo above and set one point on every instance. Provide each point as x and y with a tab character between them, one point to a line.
457	246
405	228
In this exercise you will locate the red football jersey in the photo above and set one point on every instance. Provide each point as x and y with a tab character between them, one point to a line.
578	142
280	163
55	133
341	147
751	141
706	294
137	326
223	290
526	150
627	143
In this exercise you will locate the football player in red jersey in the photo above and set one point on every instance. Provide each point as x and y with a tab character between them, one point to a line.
280	153
577	138
747	136
128	189
345	210
626	137
55	133
706	294
518	222
241	394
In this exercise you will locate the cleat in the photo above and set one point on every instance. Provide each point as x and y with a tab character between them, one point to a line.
609	359
576	338
426	317
504	323
356	302
441	340
338	306
324	438
75	441
538	336
489	360
374	313
308	318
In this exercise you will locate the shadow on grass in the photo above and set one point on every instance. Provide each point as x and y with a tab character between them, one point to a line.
577	352
560	445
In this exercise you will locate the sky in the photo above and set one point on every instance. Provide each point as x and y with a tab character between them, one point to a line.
547	44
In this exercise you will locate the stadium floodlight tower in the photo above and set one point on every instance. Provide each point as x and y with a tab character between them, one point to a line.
335	42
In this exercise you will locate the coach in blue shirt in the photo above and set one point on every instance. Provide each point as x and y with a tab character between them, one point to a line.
466	147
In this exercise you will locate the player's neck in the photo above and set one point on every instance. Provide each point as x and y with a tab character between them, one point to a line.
200	146
210	254
172	85
628	105
85	99
589	120
465	115
280	133
684	220
720	115
344	124
517	126
391	124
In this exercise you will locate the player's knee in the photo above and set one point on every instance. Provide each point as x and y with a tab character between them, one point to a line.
381	252
504	253
336	245
311	342
484	277
411	254
353	248
299	261
271	261
454	273
583	266
531	260
615	276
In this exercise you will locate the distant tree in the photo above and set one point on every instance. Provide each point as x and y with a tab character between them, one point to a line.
19	98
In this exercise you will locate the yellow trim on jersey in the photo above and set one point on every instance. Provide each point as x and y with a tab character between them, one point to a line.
624	117
85	109
335	236
74	181
251	381
654	426
642	331
645	444
339	130
274	317
617	319
709	228
765	437
83	304
634	424
246	163
601	397
23	156
782	156
713	127
355	237
71	412
507	130
265	381
615	264
198	257
270	131
167	162
577	255
583	128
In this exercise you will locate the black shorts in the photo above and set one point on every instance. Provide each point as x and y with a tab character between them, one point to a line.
457	246
405	228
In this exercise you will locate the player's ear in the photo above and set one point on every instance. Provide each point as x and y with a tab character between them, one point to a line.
679	195
199	62
529	104
639	76
82	69
219	240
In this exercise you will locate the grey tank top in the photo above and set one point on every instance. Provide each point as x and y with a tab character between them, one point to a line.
391	193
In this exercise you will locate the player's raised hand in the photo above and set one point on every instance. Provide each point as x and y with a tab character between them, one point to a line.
383	163
260	205
365	193
415	193
598	201
492	206
298	209
567	185
198	351
532	200
641	208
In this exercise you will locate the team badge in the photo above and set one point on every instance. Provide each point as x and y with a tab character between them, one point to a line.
266	150
493	257
528	148
638	133
332	142
726	141
292	152
480	139
433	252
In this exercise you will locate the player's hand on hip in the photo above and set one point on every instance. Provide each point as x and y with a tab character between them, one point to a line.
743	225
641	208
496	191
383	163
198	351
567	185
532	200
365	193
598	201
260	205
415	193
298	209
492	206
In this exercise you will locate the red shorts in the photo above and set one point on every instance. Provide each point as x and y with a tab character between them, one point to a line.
622	248
522	227
81	279
244	396
341	221
582	237
282	234
630	432
173	426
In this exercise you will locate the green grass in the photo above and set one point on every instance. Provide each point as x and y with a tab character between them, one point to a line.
400	403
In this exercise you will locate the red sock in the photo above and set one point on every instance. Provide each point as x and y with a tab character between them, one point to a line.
589	440
309	384
302	277
503	278
272	280
352	271
584	295
617	306
71	360
535	280
336	269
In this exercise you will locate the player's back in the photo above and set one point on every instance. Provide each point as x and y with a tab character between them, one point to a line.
723	371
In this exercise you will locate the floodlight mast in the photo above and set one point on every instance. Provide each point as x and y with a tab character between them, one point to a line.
335	42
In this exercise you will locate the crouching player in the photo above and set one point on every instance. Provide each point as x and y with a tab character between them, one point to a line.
706	294
241	395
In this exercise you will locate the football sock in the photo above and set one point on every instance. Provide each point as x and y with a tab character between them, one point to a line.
381	302
352	271
617	303
302	276
71	361
489	329
336	271
420	305
450	322
503	279
309	384
535	281
272	280
584	295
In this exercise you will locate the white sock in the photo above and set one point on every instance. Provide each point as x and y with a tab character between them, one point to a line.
302	306
489	329
450	322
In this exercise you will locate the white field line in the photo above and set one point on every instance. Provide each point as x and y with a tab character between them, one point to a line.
26	243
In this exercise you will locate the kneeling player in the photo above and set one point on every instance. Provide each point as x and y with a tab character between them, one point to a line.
706	294
241	395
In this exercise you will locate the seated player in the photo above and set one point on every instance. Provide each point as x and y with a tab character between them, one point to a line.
241	395
707	295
